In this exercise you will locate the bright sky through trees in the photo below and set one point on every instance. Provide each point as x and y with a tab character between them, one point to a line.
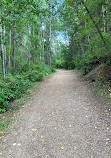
62	37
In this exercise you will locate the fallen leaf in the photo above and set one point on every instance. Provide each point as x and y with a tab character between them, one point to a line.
55	128
42	136
75	148
70	125
62	148
3	136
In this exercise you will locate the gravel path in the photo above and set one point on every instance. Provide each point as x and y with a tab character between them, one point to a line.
63	120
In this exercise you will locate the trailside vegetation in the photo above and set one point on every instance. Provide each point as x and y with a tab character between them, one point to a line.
27	30
15	85
88	26
30	48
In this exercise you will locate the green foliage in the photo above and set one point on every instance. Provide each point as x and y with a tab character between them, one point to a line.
59	64
46	71
34	76
87	47
3	125
16	85
63	64
91	59
53	70
64	58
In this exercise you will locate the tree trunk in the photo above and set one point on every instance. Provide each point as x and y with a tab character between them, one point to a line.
104	10
9	52
81	45
2	52
47	47
89	43
50	47
40	37
14	42
43	47
28	47
91	17
5	56
50	36
40	45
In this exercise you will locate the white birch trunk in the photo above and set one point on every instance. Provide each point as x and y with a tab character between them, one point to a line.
47	44
9	51
43	47
50	37
2	52
5	56
28	47
14	42
104	10
50	46
39	35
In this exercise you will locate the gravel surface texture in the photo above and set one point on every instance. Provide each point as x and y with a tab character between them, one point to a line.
63	119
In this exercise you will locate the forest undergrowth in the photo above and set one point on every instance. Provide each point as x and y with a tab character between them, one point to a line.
15	91
15	85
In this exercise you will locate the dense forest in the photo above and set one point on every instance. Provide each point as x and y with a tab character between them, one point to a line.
31	46
88	26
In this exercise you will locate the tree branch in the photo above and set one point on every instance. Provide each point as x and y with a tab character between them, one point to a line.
94	22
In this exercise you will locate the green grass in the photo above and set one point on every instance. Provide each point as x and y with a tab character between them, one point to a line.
3	127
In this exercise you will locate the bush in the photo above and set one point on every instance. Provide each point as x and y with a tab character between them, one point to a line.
59	64
16	85
53	70
34	76
87	61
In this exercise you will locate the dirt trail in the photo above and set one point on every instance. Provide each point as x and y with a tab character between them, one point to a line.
63	120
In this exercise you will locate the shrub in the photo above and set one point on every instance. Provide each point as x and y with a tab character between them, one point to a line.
59	63
53	70
34	76
16	85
